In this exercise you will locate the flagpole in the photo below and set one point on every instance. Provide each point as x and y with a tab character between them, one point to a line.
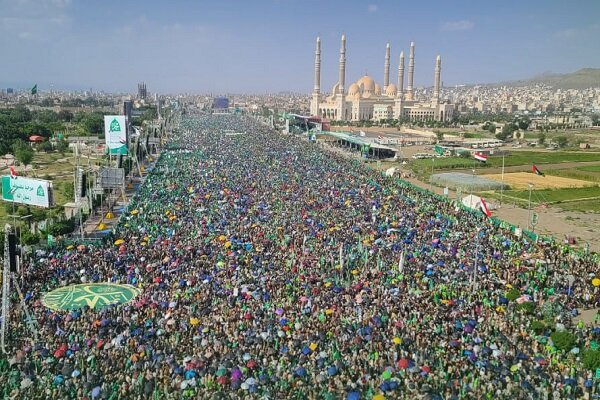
529	207
502	187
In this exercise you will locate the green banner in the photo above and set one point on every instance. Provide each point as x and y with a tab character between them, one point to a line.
93	295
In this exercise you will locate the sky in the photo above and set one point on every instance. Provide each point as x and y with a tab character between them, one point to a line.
260	46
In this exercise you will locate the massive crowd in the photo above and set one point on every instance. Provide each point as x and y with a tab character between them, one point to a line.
272	268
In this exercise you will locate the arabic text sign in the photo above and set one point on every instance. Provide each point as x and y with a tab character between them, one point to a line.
22	190
93	295
115	132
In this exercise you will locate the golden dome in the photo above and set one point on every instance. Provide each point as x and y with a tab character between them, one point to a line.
391	90
366	84
353	90
377	90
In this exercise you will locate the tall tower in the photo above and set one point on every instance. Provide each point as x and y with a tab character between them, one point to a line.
314	103
342	72
340	96
436	82
317	88
400	92
386	68
398	106
411	73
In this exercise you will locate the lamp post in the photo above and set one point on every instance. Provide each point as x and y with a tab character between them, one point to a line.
529	208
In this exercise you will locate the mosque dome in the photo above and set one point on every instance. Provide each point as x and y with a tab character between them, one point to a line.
353	90
391	90
377	90
367	84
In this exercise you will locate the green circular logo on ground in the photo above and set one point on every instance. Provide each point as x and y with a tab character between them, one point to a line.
93	295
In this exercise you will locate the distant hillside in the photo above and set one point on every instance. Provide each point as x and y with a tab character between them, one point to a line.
582	79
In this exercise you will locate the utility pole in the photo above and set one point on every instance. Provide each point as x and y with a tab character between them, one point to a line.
502	187
529	208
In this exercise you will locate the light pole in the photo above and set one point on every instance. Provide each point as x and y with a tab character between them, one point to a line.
431	177
529	208
502	187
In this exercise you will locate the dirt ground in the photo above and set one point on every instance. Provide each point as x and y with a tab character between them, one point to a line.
521	180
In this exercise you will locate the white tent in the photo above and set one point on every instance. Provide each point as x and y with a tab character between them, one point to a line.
472	201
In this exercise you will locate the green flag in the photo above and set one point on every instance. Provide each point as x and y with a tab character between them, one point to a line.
34	89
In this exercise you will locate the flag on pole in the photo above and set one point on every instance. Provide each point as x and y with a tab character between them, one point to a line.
484	208
341	257
34	89
537	171
13	173
401	263
480	156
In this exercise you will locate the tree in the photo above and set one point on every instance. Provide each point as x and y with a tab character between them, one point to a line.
507	131
65	115
523	123
562	141
62	146
439	135
23	153
541	138
563	340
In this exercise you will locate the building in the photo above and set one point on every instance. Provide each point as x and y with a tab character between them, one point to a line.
142	91
366	100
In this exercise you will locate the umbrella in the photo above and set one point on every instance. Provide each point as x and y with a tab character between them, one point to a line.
119	242
332	370
403	363
353	396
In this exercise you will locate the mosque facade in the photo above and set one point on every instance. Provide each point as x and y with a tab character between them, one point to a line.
366	100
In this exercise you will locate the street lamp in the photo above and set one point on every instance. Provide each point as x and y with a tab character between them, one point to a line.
529	208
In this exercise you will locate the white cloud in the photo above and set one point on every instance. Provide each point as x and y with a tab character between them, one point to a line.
462	25
579	32
372	8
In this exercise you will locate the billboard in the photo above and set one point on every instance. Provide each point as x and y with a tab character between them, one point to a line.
115	132
35	192
112	178
221	103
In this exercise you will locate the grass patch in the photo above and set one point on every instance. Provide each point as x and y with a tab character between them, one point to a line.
423	167
581	206
576	173
555	195
590	168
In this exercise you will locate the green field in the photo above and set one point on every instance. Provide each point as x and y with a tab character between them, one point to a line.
581	206
590	168
556	195
423	167
576	173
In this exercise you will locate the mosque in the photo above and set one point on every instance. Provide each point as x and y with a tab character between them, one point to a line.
366	100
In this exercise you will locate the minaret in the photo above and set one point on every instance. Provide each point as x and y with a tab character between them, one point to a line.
436	82
314	103
411	73
317	88
386	68
400	92
342	73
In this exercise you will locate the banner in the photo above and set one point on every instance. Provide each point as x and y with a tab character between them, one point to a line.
35	192
115	133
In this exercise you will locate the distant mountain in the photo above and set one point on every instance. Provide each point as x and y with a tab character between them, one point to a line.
582	79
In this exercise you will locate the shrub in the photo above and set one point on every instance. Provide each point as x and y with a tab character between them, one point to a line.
563	340
527	307
538	327
591	359
513	294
